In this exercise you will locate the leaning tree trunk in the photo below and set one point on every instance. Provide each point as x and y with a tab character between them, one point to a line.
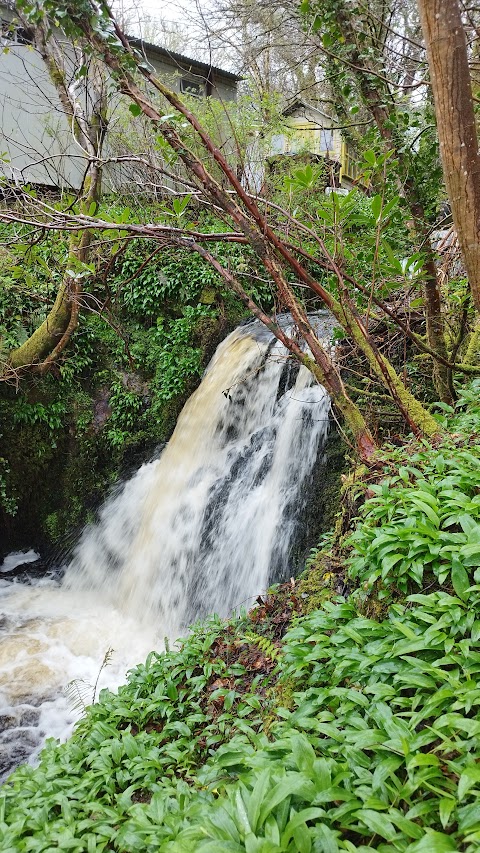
245	213
46	337
47	342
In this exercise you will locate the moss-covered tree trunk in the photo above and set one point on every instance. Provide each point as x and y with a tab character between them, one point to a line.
47	336
50	339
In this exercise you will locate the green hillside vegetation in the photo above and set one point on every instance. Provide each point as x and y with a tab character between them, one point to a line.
285	731
341	713
138	353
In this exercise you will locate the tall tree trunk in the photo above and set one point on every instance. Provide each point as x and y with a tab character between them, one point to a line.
457	132
382	107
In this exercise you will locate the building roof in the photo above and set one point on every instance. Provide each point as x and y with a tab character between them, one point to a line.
299	103
178	59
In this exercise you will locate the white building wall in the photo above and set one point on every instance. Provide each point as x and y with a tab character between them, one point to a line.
173	74
36	140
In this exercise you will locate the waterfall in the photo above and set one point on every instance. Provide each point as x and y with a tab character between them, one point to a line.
204	528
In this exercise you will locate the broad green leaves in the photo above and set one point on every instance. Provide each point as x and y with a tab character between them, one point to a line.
303	179
377	747
424	518
378	751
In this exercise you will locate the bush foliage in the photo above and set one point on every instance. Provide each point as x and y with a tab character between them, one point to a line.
424	517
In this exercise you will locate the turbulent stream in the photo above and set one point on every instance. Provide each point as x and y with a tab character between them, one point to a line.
204	528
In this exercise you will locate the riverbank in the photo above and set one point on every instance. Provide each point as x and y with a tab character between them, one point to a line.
354	726
201	528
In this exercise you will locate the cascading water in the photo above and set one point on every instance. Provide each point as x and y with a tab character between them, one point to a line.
204	528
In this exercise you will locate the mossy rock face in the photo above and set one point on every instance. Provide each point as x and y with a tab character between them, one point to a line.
55	471
57	460
326	485
318	584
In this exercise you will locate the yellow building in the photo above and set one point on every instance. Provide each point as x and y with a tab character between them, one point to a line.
310	130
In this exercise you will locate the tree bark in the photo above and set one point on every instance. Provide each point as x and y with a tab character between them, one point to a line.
457	132
379	101
50	339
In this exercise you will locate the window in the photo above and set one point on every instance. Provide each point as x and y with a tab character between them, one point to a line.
326	139
302	139
190	87
277	144
10	32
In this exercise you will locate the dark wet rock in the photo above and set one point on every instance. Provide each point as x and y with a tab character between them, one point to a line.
31	703
35	568
101	408
30	571
7	721
15	754
28	739
29	717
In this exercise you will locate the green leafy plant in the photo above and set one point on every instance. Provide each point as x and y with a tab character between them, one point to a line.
377	749
269	649
424	519
52	414
125	406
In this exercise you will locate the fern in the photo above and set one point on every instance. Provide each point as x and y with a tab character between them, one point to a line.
265	645
37	317
81	693
106	660
21	333
78	692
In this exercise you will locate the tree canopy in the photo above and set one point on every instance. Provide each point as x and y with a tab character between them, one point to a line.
370	65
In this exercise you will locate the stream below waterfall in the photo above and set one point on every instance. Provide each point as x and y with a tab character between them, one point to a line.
204	528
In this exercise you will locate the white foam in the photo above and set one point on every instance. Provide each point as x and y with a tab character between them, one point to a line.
17	558
49	638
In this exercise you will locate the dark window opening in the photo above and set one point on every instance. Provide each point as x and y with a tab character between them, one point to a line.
190	87
9	31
